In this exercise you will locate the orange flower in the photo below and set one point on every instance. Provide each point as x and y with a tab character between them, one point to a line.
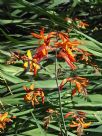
16	56
86	56
4	120
41	52
78	121
65	41
48	118
68	114
64	82
80	125
41	36
67	48
80	84
31	63
68	59
51	111
81	24
32	95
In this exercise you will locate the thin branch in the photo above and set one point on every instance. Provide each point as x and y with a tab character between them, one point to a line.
60	105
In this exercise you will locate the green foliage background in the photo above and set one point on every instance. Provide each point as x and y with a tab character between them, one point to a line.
17	20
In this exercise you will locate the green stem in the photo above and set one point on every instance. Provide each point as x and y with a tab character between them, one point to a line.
60	105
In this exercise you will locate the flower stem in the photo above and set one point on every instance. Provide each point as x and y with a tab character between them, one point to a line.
60	105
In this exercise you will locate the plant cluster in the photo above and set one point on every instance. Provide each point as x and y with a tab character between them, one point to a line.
50	79
58	43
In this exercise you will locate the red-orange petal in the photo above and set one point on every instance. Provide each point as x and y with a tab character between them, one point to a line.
73	92
42	32
68	114
65	56
64	82
36	35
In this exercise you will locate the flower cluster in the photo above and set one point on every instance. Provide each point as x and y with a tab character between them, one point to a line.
31	63
62	43
65	48
80	84
33	94
51	113
4	120
78	121
52	41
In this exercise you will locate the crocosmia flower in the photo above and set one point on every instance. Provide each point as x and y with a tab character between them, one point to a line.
33	94
4	120
79	82
67	49
31	63
81	24
78	121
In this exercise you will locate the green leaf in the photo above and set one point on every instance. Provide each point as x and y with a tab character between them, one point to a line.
57	2
42	133
11	78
